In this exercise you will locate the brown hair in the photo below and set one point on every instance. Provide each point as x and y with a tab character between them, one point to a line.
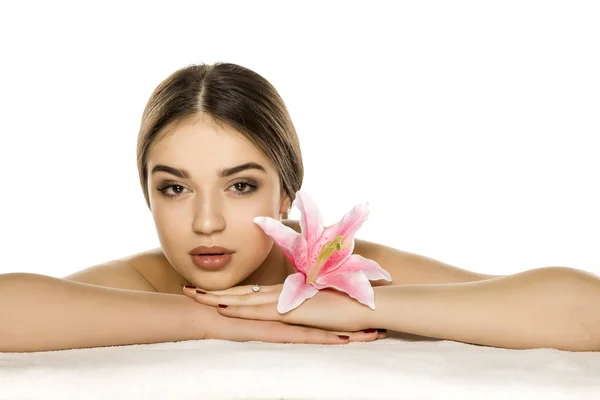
229	94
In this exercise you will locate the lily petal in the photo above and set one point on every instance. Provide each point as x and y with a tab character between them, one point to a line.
346	228
355	284
370	268
311	220
291	243
294	292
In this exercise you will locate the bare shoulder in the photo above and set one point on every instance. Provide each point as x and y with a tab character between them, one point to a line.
146	271
408	268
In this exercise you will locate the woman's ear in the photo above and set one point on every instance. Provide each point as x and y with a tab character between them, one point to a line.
284	210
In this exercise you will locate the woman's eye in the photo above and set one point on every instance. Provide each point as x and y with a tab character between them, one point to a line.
239	189
176	190
243	188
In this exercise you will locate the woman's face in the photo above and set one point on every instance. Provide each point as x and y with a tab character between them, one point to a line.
207	206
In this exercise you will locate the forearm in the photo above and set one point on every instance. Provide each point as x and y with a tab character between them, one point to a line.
39	313
537	308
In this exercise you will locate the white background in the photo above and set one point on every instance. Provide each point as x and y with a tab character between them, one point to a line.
470	127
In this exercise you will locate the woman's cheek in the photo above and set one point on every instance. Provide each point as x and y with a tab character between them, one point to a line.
170	229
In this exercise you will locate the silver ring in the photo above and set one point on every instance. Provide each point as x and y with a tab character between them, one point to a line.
255	288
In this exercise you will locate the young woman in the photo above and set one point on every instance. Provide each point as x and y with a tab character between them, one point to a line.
217	148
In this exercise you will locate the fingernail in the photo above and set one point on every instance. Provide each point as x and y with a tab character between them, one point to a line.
189	287
344	337
200	291
223	305
370	330
382	330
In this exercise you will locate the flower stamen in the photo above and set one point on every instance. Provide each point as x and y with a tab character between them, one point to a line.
326	251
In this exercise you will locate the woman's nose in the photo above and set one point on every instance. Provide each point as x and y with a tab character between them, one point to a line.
208	217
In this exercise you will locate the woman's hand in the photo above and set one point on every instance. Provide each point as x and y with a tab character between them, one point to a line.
243	330
328	309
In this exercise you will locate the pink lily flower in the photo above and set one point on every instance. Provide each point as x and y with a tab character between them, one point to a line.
322	256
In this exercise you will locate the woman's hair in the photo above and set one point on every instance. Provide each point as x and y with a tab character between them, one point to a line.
229	94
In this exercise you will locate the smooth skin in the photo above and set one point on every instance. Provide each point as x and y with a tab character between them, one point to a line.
545	307
140	299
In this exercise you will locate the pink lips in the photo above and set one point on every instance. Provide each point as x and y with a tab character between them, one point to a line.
212	257
210	250
211	261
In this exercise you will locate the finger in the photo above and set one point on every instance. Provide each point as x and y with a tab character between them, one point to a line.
298	334
279	332
263	312
381	333
361	336
237	290
239	300
246	289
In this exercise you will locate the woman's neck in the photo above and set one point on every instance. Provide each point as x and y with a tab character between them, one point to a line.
276	267
273	271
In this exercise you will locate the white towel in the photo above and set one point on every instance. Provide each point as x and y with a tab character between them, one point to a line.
397	367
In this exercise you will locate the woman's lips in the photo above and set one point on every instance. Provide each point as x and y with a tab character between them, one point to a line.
211	261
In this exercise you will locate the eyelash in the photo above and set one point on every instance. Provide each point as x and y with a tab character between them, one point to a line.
163	188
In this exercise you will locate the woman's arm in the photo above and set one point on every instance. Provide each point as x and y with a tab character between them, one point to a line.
555	307
408	268
41	313
552	307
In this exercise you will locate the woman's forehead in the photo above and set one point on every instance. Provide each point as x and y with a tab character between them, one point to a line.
201	144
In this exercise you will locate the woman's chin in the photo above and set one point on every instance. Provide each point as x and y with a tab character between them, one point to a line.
220	280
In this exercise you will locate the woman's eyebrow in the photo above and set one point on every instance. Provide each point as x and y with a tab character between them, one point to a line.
224	172
242	167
